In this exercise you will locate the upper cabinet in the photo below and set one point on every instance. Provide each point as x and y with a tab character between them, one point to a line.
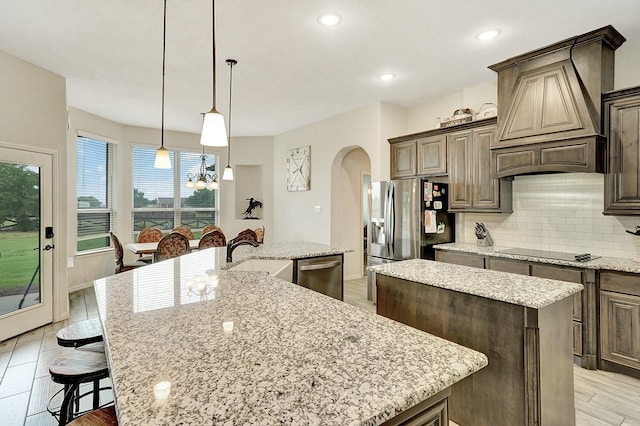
549	106
426	156
622	125
471	186
403	159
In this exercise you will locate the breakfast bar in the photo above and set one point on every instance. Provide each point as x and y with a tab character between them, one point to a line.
191	342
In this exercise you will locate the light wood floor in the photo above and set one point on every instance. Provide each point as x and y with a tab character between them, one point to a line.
601	397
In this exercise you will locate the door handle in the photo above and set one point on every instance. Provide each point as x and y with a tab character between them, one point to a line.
316	266
48	247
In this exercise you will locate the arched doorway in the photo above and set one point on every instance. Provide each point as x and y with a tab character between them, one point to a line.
350	172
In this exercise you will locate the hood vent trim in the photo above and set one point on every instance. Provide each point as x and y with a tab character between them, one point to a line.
549	104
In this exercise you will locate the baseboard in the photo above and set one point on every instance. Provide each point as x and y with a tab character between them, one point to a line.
352	277
80	286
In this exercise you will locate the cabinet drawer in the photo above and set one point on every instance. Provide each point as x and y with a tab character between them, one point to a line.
508	265
621	282
557	273
464	259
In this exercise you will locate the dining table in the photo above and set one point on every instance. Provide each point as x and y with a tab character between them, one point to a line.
151	248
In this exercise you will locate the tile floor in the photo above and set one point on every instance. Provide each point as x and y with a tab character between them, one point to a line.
601	398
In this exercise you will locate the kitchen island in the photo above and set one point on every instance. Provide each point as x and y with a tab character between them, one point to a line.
247	348
522	323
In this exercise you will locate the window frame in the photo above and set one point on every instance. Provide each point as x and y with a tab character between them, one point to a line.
178	176
111	164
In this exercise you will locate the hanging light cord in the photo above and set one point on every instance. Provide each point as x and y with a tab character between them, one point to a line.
164	44
231	63
213	44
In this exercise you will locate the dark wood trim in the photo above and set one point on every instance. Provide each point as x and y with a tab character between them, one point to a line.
445	130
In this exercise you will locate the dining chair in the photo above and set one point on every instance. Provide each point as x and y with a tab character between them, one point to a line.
119	252
213	238
150	235
184	231
173	245
210	228
247	235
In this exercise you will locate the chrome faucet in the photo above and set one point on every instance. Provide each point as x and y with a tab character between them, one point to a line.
233	243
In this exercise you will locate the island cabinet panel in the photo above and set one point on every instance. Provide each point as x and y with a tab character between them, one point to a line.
620	321
585	313
431	412
432	155
538	391
403	159
622	125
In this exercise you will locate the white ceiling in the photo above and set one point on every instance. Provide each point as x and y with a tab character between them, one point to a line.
291	71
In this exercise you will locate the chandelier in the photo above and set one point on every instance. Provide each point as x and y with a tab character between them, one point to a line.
206	176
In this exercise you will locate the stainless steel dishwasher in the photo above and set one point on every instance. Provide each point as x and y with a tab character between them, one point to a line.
321	274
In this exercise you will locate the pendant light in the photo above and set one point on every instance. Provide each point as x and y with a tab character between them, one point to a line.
163	161
228	171
213	130
205	176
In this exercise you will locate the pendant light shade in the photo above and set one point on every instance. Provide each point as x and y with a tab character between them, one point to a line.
214	132
228	171
213	129
163	161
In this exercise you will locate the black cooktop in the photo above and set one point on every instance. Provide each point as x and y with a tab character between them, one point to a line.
558	255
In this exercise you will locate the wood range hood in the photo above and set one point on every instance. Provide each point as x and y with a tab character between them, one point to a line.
549	106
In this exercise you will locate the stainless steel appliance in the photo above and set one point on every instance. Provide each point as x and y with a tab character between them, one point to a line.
321	274
407	218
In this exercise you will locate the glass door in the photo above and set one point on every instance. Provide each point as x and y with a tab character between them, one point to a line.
26	241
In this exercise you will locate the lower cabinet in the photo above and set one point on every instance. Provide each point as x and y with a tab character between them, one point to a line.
620	321
585	339
432	412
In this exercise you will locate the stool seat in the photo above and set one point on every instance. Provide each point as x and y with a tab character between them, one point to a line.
102	417
80	333
79	367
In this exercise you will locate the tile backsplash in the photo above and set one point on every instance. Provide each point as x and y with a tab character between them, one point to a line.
557	212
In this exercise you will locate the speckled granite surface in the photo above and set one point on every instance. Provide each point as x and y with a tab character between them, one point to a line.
610	263
521	290
294	356
286	250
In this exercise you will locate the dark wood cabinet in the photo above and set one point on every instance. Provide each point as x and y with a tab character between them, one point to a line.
585	329
622	126
403	159
471	186
620	321
432	155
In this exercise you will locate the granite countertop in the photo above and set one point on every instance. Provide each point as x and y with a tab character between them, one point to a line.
286	250
609	263
294	356
516	289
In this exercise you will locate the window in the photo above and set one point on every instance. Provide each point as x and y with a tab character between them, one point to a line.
95	162
161	198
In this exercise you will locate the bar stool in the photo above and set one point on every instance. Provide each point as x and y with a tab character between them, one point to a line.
102	417
80	333
72	369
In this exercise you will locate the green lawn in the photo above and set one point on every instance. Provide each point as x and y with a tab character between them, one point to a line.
18	261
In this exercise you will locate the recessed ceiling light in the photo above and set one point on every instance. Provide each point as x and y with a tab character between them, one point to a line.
387	76
488	35
329	19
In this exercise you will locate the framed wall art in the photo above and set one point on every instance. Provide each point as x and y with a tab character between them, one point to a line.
299	169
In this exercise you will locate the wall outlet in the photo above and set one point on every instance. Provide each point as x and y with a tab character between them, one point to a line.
69	262
318	209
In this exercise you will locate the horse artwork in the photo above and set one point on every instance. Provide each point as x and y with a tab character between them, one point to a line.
252	205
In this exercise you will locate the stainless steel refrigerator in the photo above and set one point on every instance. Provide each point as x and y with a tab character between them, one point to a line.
407	217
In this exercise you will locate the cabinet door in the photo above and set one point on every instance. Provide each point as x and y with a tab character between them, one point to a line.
486	191
460	170
432	155
562	274
619	322
403	159
622	180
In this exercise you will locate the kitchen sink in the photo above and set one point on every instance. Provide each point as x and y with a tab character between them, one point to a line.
279	268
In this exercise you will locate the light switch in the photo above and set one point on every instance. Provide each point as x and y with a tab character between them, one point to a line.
69	262
318	209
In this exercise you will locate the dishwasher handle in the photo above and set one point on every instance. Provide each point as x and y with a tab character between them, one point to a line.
317	266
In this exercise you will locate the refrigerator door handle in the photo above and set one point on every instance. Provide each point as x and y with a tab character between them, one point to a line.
391	222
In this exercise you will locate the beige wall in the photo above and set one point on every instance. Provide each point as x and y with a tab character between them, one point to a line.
33	115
